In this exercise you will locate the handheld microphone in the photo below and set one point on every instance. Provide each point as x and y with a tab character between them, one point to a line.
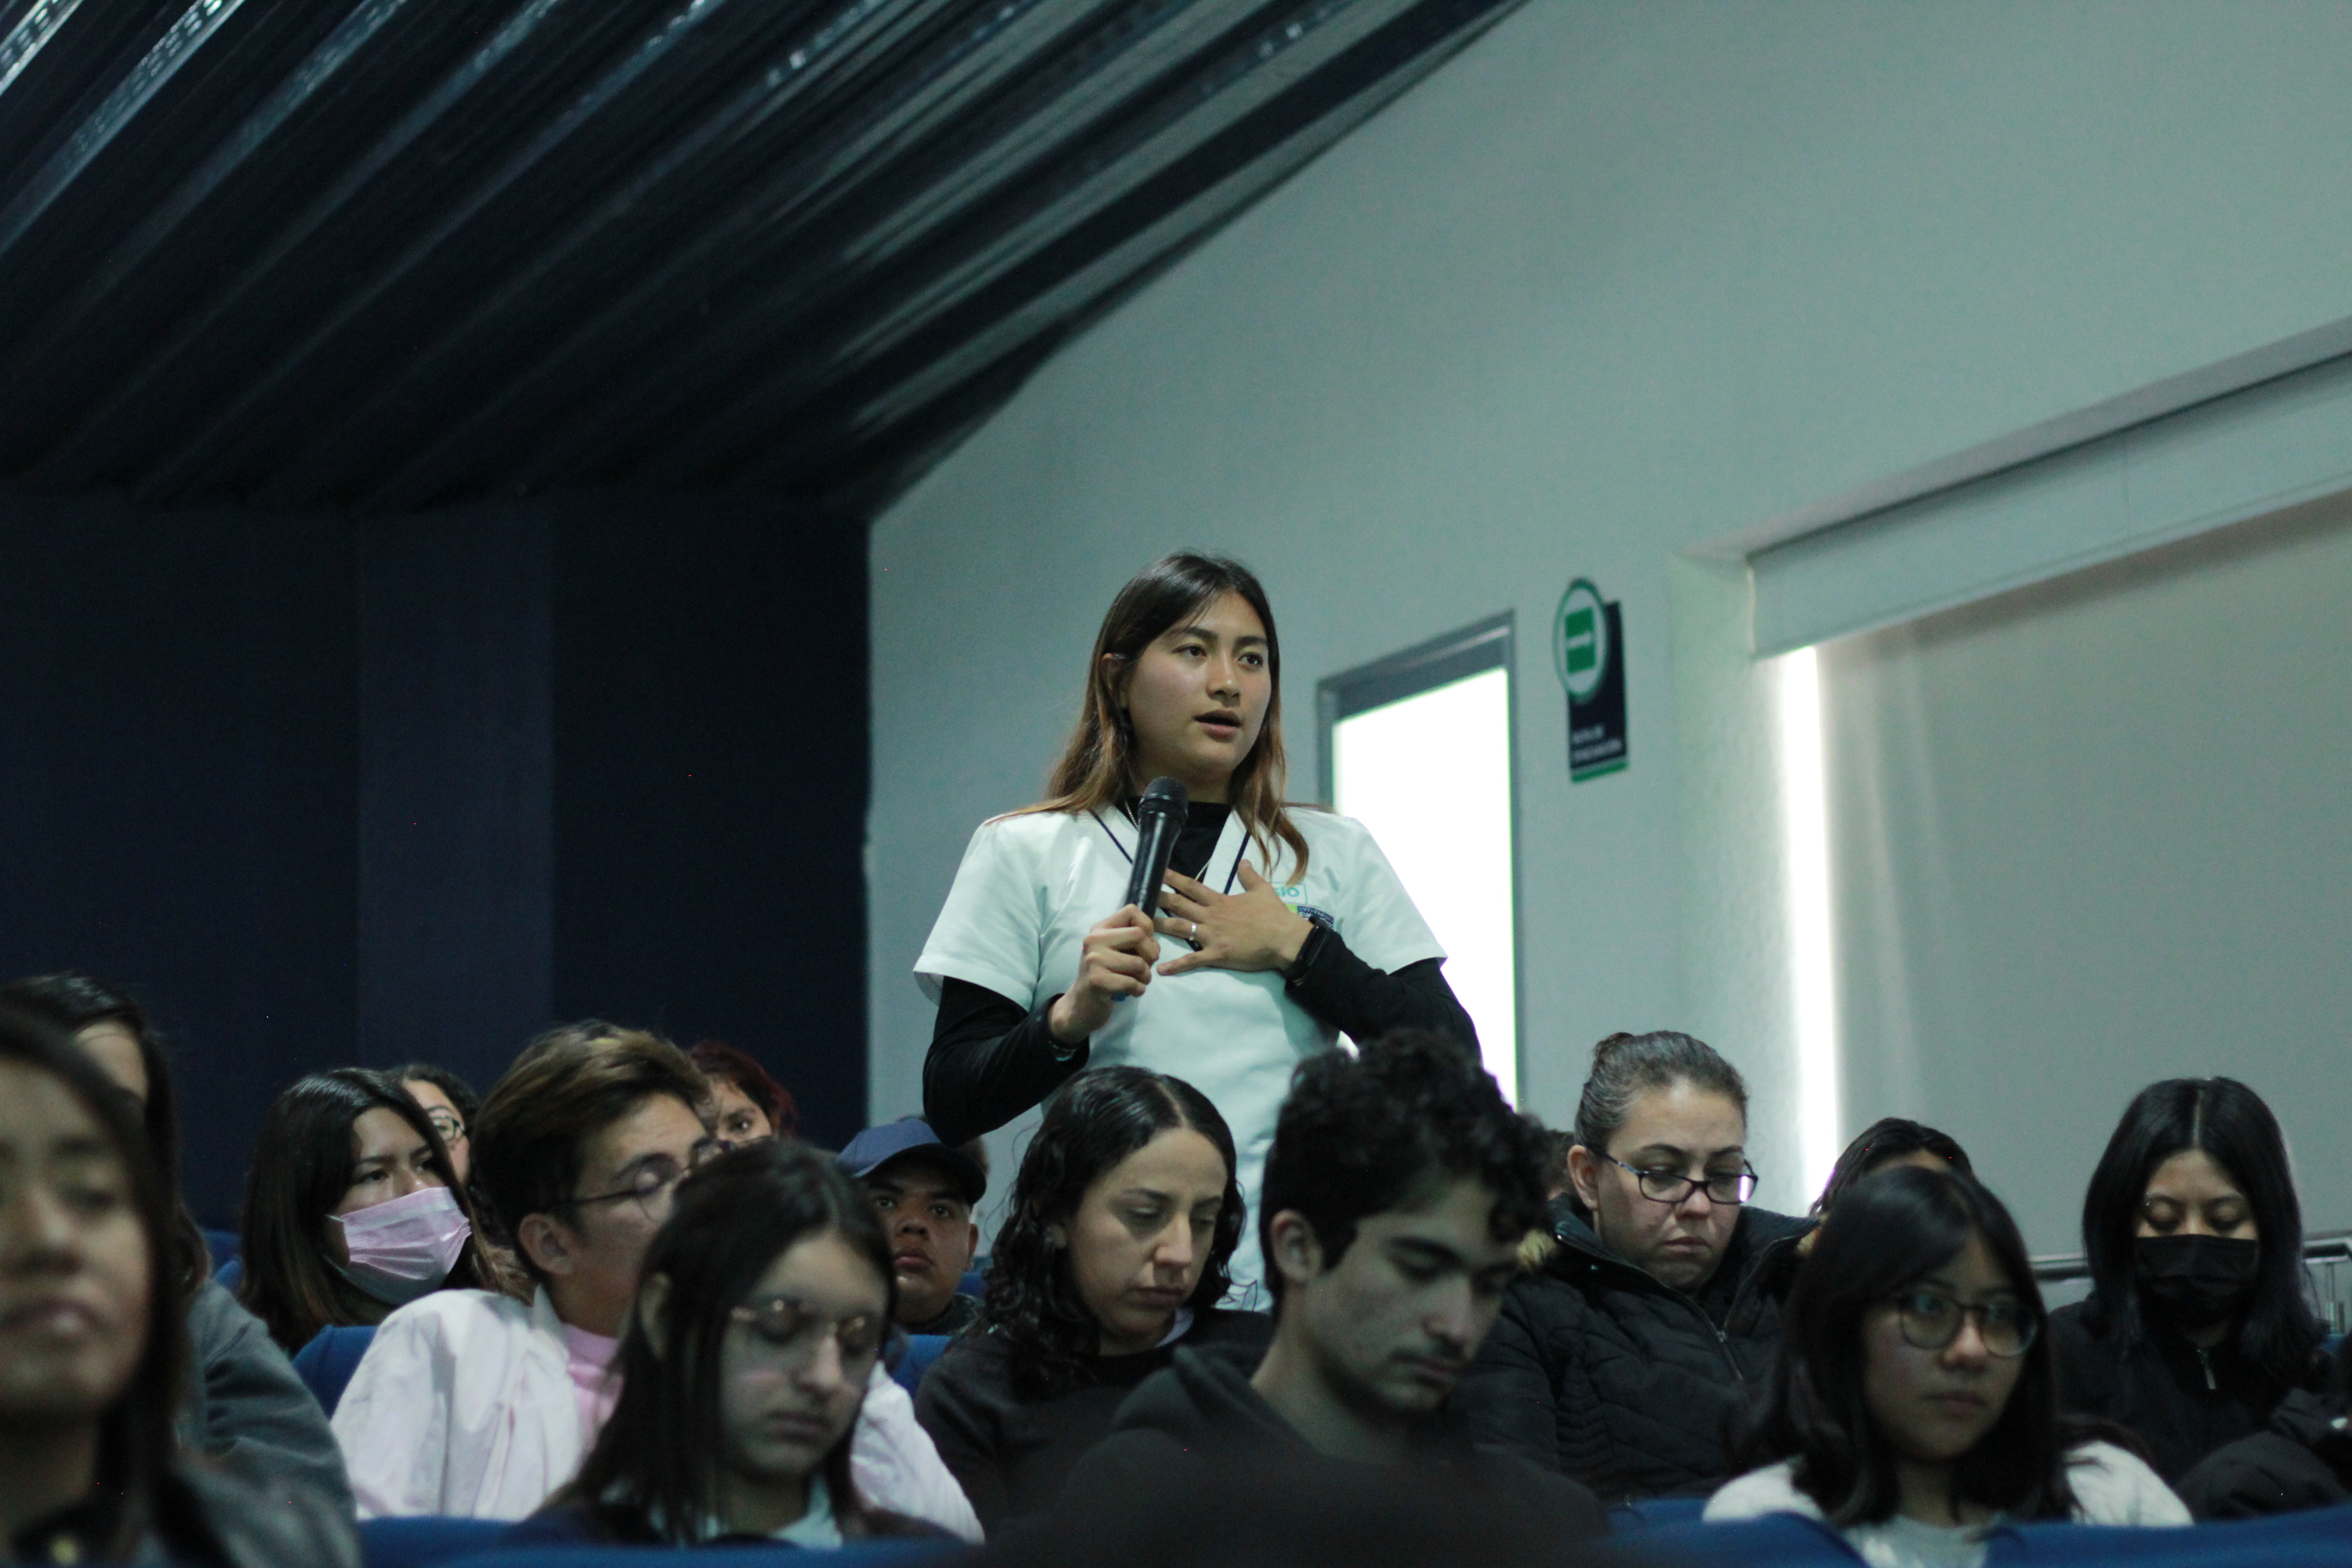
1158	818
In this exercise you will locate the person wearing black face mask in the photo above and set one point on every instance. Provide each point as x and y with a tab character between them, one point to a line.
2197	1325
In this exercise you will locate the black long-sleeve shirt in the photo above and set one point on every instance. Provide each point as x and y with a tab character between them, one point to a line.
991	1060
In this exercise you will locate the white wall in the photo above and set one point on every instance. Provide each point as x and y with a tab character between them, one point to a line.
1621	279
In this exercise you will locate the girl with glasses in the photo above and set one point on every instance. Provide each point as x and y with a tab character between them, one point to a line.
1912	1405
765	1303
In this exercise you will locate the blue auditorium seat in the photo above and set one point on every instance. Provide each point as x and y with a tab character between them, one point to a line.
1777	1540
921	1351
2322	1536
424	1542
327	1362
1649	1513
230	1275
225	1246
864	1555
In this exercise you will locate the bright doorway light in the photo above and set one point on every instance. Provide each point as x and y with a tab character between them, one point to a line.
1805	837
1430	774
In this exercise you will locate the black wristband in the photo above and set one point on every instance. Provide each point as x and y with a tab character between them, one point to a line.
1308	951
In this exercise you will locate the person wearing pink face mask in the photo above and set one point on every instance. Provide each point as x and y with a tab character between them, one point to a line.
352	1209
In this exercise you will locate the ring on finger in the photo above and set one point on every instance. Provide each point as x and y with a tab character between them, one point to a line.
1194	936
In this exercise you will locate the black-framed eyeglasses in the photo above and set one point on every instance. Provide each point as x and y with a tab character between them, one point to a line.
654	1181
1931	1321
1675	1187
446	1125
787	1329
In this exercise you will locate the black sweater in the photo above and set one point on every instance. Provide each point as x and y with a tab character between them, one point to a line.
1011	1455
1201	1413
991	1060
2184	1403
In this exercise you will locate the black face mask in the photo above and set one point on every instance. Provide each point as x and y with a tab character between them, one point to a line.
2196	1281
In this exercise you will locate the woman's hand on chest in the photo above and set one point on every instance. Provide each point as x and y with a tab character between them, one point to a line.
1250	930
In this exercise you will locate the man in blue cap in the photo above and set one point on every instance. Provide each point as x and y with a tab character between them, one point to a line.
925	1191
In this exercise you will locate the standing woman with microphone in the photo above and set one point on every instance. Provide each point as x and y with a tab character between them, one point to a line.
1278	929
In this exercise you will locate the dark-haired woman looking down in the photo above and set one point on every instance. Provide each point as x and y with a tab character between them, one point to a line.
93	1348
765	1302
1912	1405
1626	1357
2197	1325
1114	1253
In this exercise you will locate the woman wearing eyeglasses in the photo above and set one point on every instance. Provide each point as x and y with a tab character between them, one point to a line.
1625	1357
760	1321
1914	1405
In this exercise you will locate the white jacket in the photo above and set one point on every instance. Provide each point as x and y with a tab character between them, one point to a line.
464	1404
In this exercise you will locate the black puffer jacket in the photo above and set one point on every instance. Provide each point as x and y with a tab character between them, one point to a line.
2183	1403
2302	1461
1635	1388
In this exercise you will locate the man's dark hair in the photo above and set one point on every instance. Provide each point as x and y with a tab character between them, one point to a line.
567	1086
1367	1133
1884	1142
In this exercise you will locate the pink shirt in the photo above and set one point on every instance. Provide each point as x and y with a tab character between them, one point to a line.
590	1356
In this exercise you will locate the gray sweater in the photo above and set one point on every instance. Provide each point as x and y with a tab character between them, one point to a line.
249	1409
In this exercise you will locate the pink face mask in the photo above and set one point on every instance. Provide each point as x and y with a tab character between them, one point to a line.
404	1248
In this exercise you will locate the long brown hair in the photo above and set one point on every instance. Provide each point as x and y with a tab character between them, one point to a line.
303	1166
1097	766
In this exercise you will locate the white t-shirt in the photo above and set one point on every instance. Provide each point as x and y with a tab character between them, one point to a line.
1031	887
2110	1486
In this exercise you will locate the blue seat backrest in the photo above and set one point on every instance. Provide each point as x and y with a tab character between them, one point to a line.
327	1362
1768	1543
1649	1513
423	1543
230	1275
225	1246
921	1351
864	1554
2323	1535
973	1284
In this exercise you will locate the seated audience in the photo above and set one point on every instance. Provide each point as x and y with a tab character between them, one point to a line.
1626	1356
450	1104
924	1192
1889	1140
480	1404
2302	1459
93	1346
2197	1324
758	1327
245	1406
351	1208
1396	1194
1123	1219
751	1105
1913	1405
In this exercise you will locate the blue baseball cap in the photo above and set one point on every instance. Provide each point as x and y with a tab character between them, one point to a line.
877	1146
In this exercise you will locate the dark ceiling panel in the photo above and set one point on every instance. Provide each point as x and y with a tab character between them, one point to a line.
394	252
